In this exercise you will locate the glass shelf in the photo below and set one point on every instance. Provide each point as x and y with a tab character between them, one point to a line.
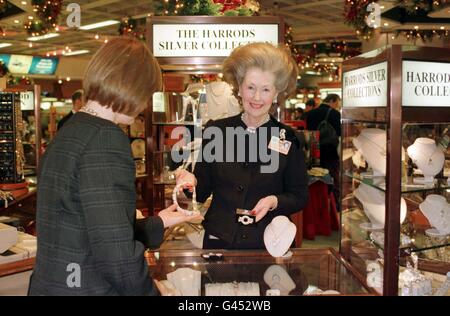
409	187
418	241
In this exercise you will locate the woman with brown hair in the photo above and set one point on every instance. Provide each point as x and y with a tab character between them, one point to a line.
86	207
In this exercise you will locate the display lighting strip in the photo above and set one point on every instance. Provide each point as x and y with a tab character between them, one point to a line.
98	25
42	37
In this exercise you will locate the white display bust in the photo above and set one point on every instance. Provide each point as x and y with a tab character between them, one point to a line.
371	143
279	235
437	211
277	278
373	201
427	156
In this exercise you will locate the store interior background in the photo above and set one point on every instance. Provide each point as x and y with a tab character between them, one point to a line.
318	32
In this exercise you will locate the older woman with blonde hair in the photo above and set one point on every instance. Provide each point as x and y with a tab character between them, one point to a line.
86	205
261	75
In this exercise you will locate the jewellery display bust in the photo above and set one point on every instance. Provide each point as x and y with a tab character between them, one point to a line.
277	278
437	211
427	156
371	143
373	201
279	235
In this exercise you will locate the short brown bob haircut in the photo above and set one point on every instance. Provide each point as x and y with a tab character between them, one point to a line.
264	56
123	75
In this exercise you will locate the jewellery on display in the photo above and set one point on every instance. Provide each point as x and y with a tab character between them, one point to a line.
6	197
276	277
232	289
88	110
176	191
437	211
428	158
373	201
278	236
371	144
412	282
252	129
186	280
245	217
374	275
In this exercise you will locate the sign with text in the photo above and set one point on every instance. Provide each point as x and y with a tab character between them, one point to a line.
34	65
425	83
365	87
208	40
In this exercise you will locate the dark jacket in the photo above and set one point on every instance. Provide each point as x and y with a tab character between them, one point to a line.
64	120
314	118
242	184
86	214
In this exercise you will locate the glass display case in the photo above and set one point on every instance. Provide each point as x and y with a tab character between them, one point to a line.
253	272
395	164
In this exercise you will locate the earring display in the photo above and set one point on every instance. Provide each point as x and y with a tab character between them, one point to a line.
437	211
373	201
11	149
427	157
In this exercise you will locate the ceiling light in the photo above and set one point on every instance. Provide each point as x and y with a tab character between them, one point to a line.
5	45
442	27
96	36
24	3
76	52
30	17
99	24
386	24
416	27
30	45
60	81
16	21
42	37
68	78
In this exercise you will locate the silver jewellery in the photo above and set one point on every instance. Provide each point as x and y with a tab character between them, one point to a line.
252	129
195	210
382	150
88	110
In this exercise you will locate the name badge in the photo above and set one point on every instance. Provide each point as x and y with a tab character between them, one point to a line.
281	146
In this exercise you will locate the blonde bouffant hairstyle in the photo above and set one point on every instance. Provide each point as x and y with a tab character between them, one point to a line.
264	56
123	75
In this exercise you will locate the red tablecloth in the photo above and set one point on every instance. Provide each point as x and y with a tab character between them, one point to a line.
320	215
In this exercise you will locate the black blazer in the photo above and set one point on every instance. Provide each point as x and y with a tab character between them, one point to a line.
242	184
86	214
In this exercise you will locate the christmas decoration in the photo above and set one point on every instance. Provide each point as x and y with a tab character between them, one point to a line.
414	6
132	27
356	14
47	13
207	7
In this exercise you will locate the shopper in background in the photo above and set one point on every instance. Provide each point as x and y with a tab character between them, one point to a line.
86	206
298	114
309	105
77	103
260	74
329	157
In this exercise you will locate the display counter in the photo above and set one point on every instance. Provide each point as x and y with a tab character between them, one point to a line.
254	272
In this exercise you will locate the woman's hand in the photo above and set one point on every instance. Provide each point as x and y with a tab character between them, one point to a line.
264	205
171	217
186	178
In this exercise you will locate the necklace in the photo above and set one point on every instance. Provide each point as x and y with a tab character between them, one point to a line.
420	154
88	110
252	129
277	237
